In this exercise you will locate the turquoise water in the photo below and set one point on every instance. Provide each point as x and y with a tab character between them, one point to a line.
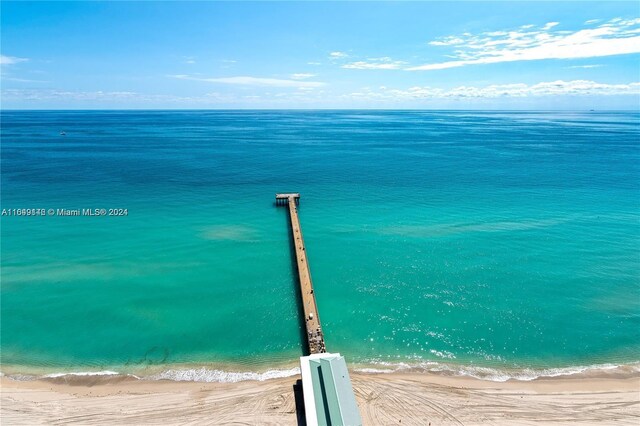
506	240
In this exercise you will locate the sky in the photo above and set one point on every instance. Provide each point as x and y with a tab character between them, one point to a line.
313	55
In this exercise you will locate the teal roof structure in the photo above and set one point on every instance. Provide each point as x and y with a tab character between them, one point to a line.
326	385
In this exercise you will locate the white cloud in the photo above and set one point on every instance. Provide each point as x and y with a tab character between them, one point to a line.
110	97
587	66
252	81
419	96
303	97
37	95
314	63
515	90
615	37
301	76
22	80
334	55
384	63
592	21
10	60
229	61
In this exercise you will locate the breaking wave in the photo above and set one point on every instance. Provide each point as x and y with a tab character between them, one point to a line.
210	375
502	375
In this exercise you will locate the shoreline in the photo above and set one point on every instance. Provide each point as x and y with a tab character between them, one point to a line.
389	398
232	373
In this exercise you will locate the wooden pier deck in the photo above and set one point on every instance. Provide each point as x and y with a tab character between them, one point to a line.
315	337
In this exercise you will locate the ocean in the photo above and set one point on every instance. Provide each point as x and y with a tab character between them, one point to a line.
493	244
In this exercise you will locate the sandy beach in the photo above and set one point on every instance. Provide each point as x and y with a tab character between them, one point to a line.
384	399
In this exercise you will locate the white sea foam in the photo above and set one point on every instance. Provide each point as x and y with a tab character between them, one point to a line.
204	374
81	373
20	377
500	375
374	370
443	354
209	375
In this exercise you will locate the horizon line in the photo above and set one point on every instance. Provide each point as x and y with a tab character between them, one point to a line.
322	109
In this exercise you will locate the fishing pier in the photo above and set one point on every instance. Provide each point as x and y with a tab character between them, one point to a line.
315	338
328	394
